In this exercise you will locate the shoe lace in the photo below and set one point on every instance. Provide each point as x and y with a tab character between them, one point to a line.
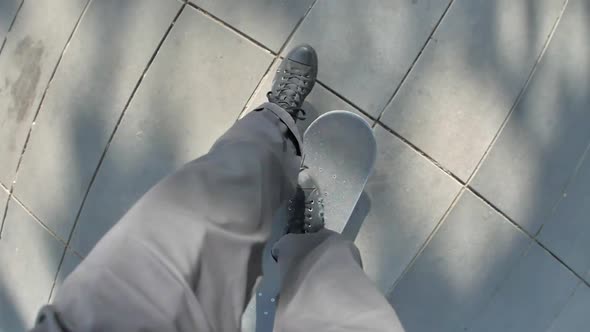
301	208
310	205
289	92
303	204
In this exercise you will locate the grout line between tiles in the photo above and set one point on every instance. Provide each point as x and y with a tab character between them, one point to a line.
37	219
11	25
277	57
531	238
230	27
365	113
497	135
520	94
445	214
422	153
561	262
257	89
295	28
102	157
404	78
45	227
466	185
41	104
5	210
66	247
7	189
525	232
426	242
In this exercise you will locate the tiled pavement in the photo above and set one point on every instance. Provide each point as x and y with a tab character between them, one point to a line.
477	215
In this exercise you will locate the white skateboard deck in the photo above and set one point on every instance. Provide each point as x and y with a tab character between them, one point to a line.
339	151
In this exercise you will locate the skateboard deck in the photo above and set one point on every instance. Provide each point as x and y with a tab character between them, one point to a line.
339	153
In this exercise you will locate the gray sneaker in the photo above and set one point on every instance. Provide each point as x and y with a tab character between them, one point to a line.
306	209
294	80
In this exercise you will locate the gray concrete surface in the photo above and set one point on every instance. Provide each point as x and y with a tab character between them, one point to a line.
477	215
465	82
95	79
31	50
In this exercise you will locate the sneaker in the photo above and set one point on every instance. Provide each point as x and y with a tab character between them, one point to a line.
306	209
294	80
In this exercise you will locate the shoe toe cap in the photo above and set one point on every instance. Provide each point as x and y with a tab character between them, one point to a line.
303	54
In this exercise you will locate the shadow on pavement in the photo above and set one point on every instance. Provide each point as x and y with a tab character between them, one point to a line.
143	168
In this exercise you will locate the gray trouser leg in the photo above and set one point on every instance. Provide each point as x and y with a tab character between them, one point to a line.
324	287
185	257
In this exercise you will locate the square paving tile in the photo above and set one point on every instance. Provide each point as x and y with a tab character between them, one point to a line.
567	231
30	54
459	270
405	198
318	102
269	22
8	9
531	296
528	167
71	261
104	61
366	47
29	257
468	78
574	316
193	92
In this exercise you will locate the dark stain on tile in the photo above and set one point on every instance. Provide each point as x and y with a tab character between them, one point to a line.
27	55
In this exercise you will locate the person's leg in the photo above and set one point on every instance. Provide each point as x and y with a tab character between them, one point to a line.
324	287
185	257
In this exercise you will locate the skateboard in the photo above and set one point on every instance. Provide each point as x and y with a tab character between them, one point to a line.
339	152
